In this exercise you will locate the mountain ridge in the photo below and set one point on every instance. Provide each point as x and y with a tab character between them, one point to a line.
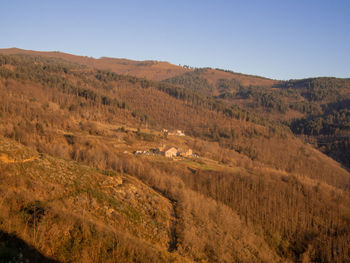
105	62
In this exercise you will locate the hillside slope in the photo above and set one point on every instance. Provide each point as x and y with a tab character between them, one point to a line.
71	212
155	70
317	108
152	70
256	193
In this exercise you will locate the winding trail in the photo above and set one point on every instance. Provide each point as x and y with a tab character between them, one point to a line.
173	237
173	242
5	159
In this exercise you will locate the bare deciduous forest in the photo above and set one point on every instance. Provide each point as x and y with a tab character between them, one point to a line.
258	192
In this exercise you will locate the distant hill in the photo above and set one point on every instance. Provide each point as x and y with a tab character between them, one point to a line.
317	108
155	70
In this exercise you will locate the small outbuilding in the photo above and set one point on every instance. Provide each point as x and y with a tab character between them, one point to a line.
180	133
184	152
170	152
187	153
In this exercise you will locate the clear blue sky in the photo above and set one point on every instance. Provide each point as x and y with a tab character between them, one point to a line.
280	39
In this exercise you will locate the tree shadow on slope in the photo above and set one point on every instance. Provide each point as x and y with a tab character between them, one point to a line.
14	249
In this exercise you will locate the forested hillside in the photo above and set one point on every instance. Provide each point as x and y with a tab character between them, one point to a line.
153	70
254	193
316	108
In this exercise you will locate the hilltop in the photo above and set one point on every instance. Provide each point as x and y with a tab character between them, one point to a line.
155	70
149	69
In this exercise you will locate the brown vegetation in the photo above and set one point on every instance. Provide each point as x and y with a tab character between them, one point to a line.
256	194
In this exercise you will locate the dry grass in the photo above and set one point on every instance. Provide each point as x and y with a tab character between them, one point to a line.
71	199
256	194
